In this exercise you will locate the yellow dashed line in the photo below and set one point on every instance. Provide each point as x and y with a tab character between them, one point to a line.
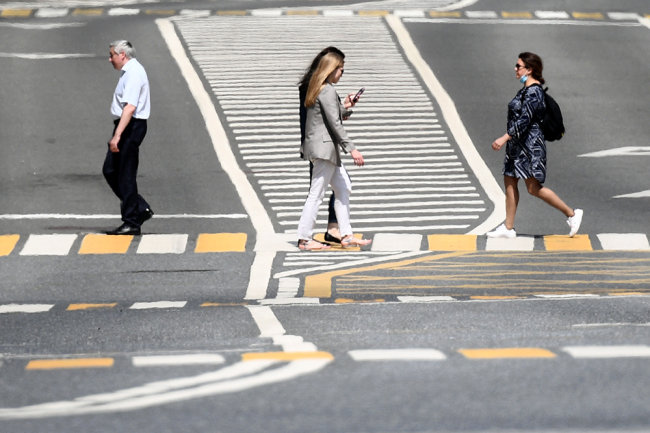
516	15
231	13
373	13
16	13
8	243
221	242
452	242
627	294
53	364
285	356
565	243
88	12
105	244
445	14
302	12
588	15
159	12
76	307
514	352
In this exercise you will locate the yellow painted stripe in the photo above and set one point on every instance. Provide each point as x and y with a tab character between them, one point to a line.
373	13
52	364
445	14
588	15
223	304
76	307
516	15
565	243
231	13
221	242
514	352
88	12
355	301
627	294
8	243
159	12
320	285
105	244
491	298
452	242
302	12
285	356
16	13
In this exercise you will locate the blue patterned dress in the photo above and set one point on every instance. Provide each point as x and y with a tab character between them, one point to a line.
526	150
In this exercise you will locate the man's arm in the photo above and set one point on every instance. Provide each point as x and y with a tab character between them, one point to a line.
127	114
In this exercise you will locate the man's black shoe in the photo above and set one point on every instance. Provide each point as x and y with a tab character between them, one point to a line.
145	216
125	229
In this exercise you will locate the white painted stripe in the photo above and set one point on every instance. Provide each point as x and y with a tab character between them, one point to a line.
50	26
163	244
396	242
337	13
397	355
414	13
268	324
595	352
173	360
25	308
568	296
288	287
48	245
47	56
195	13
451	116
111	216
51	12
261	268
481	14
624	241
641	194
116	12
522	22
266	12
424	299
554	15
520	243
624	16
289	301
609	325
157	305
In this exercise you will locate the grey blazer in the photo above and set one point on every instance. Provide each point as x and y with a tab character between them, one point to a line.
324	133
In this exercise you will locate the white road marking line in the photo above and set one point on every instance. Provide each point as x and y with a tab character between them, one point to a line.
48	245
162	244
25	308
640	194
397	355
157	305
116	12
619	151
111	216
266	321
51	12
623	15
520	243
47	56
623	241
261	267
288	287
568	296
555	15
174	360
50	26
499	21
424	299
600	352
607	325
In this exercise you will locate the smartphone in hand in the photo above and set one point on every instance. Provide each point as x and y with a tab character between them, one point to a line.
356	97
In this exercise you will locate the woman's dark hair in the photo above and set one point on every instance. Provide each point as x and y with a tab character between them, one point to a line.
535	64
304	81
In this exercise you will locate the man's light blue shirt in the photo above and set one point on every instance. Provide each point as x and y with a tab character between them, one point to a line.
132	88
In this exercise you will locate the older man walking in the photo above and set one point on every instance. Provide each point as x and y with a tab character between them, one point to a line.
130	110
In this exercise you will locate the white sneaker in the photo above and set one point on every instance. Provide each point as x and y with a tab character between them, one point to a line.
503	232
574	222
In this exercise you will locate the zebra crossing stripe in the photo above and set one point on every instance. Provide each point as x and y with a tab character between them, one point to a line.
8	243
48	245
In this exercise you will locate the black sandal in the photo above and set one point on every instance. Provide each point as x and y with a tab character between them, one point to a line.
330	238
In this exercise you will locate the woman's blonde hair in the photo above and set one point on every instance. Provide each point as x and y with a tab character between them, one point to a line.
328	64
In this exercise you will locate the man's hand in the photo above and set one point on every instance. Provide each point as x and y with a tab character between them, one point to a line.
112	144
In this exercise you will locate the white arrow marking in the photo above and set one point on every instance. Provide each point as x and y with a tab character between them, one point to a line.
641	194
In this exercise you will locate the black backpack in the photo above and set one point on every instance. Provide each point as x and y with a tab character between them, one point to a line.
552	124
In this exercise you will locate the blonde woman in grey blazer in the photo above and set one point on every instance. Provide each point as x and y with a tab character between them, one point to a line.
324	140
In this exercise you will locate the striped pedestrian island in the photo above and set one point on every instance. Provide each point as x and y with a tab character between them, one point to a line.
624	241
105	244
221	242
163	244
48	245
8	243
565	243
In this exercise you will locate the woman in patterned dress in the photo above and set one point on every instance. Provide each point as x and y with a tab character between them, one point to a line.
526	149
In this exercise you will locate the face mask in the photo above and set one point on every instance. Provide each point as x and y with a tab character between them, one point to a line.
523	79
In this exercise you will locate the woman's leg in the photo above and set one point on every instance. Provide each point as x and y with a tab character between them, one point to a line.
321	176
512	200
538	190
342	187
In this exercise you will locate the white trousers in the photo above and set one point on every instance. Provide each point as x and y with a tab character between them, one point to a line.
325	173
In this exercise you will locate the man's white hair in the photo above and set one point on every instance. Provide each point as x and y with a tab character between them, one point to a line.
124	46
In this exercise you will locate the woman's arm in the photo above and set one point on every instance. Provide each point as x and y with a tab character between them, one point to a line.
329	102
